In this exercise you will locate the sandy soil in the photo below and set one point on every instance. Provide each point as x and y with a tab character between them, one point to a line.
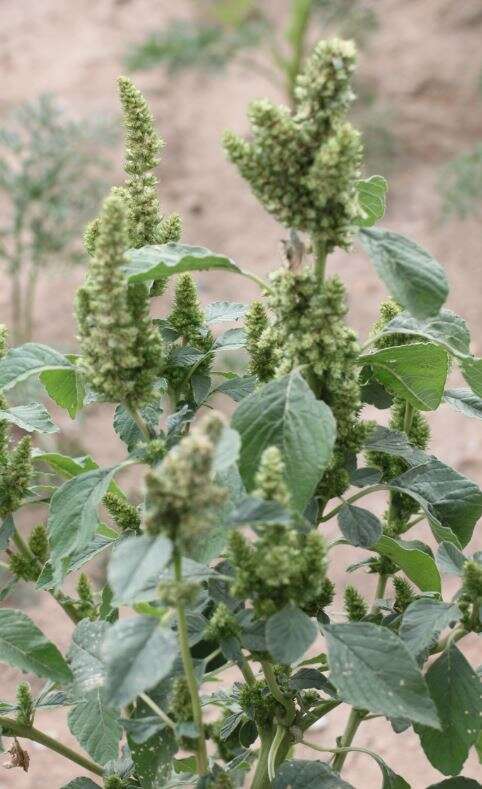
424	62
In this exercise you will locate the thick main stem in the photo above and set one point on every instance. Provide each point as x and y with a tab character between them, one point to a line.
356	717
12	728
379	592
202	755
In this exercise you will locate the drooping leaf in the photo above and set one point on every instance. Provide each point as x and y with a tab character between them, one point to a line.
455	688
138	653
417	372
63	465
220	311
27	360
135	567
85	654
392	442
73	518
231	340
31	417
128	430
413	277
454	500
416	564
227	450
371	196
301	774
373	670
66	388
159	261
423	621
24	646
201	387
361	477
96	727
289	633
359	526
445	329
465	401
286	414
449	559
237	388
472	372
312	678
75	561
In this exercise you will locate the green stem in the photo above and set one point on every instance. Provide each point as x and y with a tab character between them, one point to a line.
275	691
297	33
343	751
14	729
247	672
354	720
146	431
273	751
364	492
318	712
451	638
159	712
202	756
379	592
260	778
254	278
408	418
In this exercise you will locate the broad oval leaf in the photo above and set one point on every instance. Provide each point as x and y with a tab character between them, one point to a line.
135	567
289	633
416	564
449	559
27	360
392	442
373	670
32	417
359	526
219	311
465	401
455	688
231	340
96	727
371	197
85	655
417	372
159	261
445	329
423	621
24	646
286	414
237	388
301	774
413	277
66	388
138	653
128	430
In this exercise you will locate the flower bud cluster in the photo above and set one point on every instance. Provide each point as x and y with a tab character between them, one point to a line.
28	567
355	605
303	165
470	599
183	501
125	515
261	362
122	351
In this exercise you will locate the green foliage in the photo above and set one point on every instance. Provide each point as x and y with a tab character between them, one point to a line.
203	593
52	175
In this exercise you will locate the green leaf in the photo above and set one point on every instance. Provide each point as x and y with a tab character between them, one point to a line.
75	561
27	360
286	414
445	329
472	372
85	655
220	311
455	688
456	783
413	277
138	653
31	417
449	559
289	633
80	783
371	196
6	531
231	340
373	670
417	372
454	500
127	429
63	465
227	450
159	261
66	388
24	646
135	566
301	774
416	564
360	527
252	511
465	401
201	387
237	388
96	728
423	621
73	518
142	729
391	442
152	759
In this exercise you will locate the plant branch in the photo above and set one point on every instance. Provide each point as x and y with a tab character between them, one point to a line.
354	720
159	712
364	492
379	592
202	756
275	690
273	751
11	728
141	423
258	280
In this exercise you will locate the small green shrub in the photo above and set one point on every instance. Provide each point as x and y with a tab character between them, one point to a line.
204	593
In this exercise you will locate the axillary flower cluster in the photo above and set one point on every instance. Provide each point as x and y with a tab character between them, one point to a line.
303	166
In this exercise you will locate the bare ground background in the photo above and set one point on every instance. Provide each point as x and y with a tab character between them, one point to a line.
424	62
